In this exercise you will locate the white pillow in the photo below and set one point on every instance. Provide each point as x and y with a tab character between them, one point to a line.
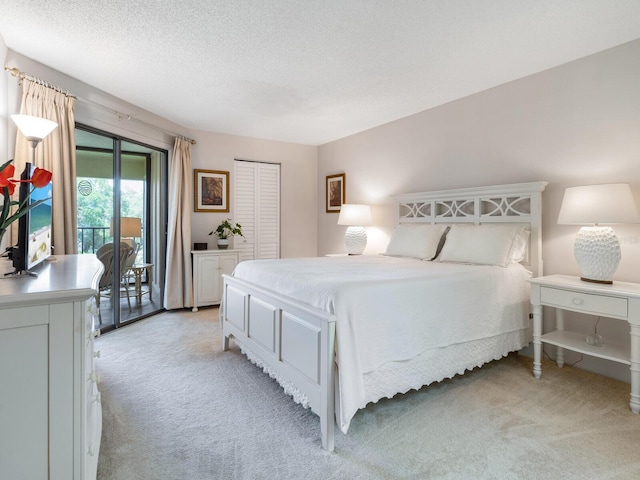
519	250
417	241
484	244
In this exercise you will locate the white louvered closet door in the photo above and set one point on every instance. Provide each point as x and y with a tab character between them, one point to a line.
257	209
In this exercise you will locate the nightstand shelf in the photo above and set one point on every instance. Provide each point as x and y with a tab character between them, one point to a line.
620	300
576	342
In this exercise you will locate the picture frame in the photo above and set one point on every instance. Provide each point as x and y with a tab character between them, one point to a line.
336	192
211	191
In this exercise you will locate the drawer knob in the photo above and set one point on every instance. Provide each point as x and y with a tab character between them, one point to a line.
96	354
91	451
578	301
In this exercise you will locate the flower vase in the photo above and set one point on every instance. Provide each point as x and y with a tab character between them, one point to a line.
223	243
6	265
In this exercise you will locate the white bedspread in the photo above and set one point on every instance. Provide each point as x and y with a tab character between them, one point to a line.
393	309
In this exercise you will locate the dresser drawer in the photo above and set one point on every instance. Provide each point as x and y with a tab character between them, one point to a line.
584	302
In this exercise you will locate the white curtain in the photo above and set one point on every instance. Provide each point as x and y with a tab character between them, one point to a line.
178	292
56	153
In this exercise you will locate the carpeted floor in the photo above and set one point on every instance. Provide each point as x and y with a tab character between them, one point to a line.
176	407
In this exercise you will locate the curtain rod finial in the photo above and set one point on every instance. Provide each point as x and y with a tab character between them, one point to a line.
14	71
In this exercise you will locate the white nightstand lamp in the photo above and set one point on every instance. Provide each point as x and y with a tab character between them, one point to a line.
596	248
356	217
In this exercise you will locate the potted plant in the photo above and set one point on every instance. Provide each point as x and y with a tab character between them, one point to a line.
225	230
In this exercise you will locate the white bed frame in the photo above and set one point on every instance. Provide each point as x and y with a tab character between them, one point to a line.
294	342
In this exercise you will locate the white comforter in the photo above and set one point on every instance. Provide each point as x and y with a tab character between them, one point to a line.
393	309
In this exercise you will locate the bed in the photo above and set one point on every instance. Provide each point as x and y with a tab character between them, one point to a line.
338	333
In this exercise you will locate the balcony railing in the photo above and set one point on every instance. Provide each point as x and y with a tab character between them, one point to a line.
90	239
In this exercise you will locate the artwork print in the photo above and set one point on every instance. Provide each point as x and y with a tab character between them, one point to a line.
211	189
336	192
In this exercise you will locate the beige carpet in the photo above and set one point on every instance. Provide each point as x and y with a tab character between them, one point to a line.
176	407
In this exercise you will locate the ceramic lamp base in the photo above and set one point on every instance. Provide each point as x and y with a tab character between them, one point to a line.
597	251
355	239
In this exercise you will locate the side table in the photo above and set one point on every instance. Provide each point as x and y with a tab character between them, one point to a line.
621	301
138	269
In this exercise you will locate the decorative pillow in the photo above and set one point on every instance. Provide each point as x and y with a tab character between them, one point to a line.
417	241
519	249
484	244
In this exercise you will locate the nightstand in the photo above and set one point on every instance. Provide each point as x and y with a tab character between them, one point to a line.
620	301
208	268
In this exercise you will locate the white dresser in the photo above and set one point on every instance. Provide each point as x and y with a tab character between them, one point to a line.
208	267
50	412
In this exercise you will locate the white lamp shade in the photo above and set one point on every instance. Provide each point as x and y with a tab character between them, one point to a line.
355	215
34	128
598	204
597	249
129	227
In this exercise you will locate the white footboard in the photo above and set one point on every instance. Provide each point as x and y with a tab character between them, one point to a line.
296	341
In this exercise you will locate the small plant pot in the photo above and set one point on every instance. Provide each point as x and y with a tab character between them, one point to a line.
223	243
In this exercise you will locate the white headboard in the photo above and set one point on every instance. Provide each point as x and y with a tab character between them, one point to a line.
518	203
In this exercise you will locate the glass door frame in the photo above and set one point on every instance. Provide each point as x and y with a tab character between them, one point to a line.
161	241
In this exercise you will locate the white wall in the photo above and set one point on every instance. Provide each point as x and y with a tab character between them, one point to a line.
298	196
576	124
4	107
212	151
88	113
4	116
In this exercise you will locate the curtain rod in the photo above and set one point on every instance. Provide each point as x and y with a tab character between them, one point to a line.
121	116
21	75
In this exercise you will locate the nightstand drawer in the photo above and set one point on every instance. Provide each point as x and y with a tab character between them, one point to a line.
585	302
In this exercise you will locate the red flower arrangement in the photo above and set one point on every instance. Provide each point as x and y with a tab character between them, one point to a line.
39	179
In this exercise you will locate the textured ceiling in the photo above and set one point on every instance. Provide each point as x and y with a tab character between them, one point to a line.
307	71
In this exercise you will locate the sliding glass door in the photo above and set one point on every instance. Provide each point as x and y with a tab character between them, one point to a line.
122	219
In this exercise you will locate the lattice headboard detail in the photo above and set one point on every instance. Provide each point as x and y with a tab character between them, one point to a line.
519	203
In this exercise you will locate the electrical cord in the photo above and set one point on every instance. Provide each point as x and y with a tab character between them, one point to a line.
595	332
567	364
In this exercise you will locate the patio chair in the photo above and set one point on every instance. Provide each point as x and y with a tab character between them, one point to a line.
105	286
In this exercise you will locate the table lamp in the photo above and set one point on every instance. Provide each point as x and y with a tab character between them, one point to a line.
596	248
356	217
130	228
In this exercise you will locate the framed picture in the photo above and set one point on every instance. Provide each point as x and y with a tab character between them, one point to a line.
211	189
336	192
